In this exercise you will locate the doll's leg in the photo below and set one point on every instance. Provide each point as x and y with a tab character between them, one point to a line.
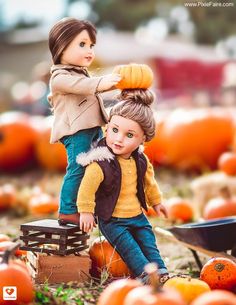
145	238
75	144
118	234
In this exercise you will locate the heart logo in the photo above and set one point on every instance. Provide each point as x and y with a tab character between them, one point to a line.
10	291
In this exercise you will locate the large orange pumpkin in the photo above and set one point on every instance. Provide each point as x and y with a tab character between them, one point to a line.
179	209
104	256
219	273
219	207
17	141
50	156
215	297
13	274
227	163
133	76
117	292
195	138
155	149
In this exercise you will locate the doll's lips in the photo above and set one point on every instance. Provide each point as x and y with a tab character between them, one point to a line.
117	146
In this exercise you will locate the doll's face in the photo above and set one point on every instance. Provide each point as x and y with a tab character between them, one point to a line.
124	136
79	52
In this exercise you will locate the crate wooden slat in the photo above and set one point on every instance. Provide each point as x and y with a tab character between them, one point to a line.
55	269
64	239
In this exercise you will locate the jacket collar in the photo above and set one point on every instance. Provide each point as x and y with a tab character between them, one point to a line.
101	152
69	67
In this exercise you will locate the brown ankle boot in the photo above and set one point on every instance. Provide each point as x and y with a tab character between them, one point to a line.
65	219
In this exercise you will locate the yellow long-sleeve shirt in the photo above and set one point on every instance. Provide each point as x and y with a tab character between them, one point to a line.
127	204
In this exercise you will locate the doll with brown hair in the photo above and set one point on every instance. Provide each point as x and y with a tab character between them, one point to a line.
78	109
119	183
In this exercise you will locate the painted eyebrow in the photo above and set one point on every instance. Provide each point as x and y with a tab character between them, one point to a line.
130	130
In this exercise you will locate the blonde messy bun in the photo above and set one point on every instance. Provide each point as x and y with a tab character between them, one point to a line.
135	105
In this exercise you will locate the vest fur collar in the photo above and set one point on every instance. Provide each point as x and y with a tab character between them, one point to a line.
99	153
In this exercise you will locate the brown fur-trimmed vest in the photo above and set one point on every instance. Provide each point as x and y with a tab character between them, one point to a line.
109	190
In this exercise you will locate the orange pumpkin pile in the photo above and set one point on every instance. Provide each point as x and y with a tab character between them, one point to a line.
134	76
219	273
104	256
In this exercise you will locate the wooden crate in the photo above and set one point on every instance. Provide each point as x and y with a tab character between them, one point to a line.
62	240
55	269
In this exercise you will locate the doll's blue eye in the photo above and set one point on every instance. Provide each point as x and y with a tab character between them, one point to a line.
114	129
130	135
82	44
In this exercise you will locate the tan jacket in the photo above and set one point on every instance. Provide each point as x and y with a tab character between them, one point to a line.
75	101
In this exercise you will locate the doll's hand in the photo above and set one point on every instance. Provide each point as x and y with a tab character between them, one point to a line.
87	222
160	209
108	81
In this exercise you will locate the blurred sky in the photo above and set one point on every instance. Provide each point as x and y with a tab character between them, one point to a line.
43	11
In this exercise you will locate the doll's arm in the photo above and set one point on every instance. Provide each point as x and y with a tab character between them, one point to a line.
92	178
65	82
87	222
160	209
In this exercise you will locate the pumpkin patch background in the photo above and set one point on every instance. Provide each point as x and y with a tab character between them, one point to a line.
187	56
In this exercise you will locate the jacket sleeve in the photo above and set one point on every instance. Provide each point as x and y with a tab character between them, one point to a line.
152	191
89	185
63	81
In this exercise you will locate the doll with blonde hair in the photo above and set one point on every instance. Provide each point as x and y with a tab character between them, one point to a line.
119	183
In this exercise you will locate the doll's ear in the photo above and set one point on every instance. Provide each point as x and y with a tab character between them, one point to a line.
144	138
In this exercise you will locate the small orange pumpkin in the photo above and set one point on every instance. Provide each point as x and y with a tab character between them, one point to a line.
219	207
42	204
12	274
189	288
227	163
104	256
134	76
179	209
117	291
7	196
215	297
219	273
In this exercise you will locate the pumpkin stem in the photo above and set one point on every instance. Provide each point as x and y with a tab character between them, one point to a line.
225	192
219	267
7	253
154	278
